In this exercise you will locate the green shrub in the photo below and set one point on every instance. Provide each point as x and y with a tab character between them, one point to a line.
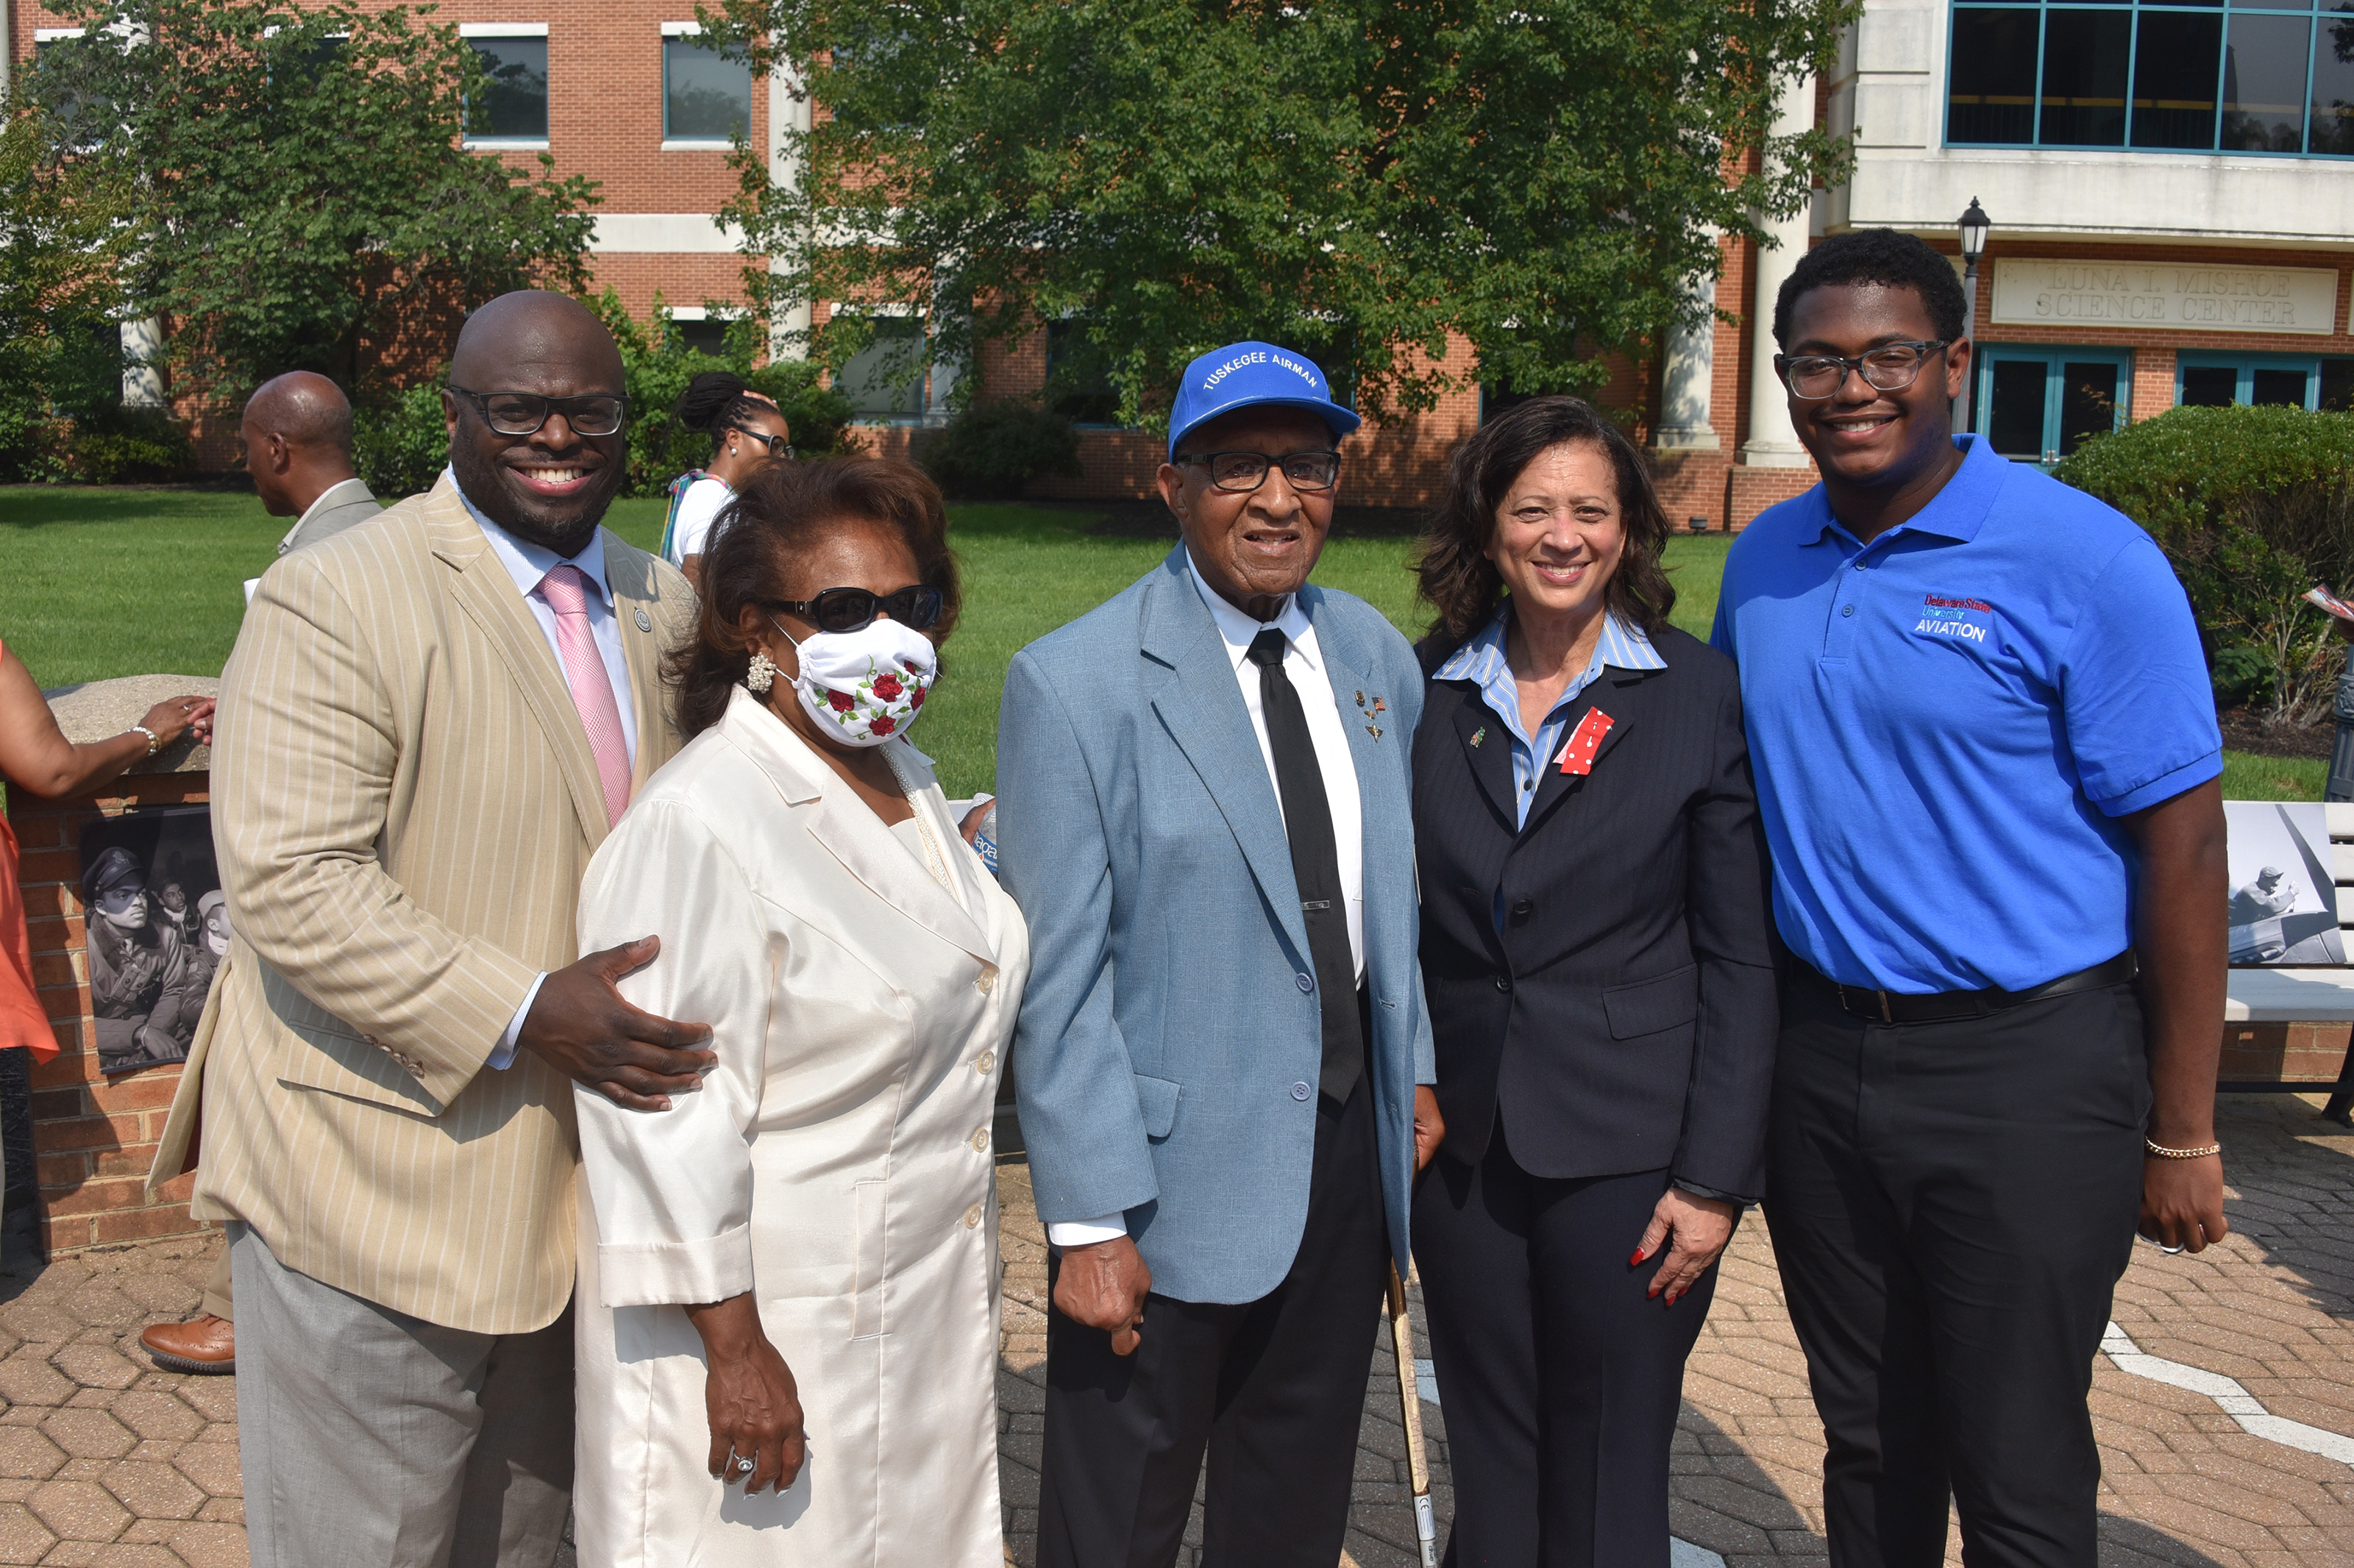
2254	506
2241	675
401	447
991	451
117	446
656	367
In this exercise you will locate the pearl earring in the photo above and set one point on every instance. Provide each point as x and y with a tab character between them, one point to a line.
761	675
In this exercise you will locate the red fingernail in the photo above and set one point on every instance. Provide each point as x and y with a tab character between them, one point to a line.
1636	1259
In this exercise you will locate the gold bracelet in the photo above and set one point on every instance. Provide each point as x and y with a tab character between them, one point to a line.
2165	1153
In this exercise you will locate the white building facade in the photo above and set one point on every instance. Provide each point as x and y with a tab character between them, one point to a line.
2171	187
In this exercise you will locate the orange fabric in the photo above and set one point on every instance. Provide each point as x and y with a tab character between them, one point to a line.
23	1020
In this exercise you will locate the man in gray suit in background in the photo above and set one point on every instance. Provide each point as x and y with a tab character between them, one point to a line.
298	447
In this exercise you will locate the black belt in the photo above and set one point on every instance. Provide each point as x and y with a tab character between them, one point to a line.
1934	1007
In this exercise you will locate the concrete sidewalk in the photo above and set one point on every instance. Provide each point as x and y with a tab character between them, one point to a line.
2224	1400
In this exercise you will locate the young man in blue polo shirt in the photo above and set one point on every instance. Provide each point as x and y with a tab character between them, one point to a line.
1987	762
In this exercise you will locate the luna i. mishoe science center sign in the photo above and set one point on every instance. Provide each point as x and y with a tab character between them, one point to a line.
2185	297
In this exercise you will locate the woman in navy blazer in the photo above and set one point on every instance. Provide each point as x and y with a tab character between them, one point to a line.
1601	989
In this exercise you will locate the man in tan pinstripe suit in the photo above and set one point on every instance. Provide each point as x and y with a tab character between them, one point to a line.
429	723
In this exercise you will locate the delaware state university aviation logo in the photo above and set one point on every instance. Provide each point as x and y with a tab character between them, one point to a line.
1946	615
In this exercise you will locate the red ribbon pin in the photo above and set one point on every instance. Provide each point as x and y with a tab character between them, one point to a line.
1577	754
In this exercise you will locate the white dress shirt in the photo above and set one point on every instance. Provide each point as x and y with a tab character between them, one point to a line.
1303	666
527	564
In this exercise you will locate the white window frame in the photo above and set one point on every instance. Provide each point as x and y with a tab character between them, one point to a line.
506	31
686	143
705	314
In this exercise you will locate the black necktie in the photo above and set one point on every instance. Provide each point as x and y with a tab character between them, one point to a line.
1315	865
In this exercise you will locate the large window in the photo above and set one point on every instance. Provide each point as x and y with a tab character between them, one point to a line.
705	96
1078	382
2276	76
2038	405
885	380
512	105
2213	379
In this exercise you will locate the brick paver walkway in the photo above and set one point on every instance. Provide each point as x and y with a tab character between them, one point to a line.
106	1461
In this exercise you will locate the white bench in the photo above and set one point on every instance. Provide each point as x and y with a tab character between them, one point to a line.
2304	996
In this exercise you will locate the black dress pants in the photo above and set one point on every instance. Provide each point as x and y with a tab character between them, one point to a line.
1951	1205
1275	1390
1560	1376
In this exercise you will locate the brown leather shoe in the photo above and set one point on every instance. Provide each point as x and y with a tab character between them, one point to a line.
204	1344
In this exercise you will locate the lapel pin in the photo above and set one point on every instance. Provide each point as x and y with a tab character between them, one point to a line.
1479	735
1578	754
1380	706
1361	699
1374	730
645	621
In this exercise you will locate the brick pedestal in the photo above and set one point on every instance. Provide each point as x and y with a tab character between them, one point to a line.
2283	1052
95	1135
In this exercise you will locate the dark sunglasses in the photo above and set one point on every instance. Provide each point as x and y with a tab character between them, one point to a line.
778	446
521	413
854	609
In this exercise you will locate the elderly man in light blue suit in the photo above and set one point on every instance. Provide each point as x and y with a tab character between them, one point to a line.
1205	818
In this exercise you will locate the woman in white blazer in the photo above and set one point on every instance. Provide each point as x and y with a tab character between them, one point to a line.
789	1278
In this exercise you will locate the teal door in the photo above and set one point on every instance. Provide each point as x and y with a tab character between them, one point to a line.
2038	405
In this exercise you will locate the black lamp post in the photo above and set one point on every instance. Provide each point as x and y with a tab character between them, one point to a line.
1974	226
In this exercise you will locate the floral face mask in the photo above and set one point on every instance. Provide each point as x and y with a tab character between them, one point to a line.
867	685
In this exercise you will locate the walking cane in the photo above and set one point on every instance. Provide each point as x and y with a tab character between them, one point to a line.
1426	1523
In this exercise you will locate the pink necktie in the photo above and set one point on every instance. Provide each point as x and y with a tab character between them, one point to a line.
564	588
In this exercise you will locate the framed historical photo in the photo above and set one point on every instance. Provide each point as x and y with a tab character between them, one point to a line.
2283	907
158	928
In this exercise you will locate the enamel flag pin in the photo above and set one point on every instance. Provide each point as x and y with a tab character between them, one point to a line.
1479	735
1577	754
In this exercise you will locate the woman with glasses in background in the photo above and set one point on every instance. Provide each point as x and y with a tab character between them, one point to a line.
788	1294
747	431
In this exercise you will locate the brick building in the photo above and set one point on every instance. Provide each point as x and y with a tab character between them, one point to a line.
2168	182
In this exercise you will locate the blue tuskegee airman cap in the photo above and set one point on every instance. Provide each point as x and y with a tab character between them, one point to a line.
1242	374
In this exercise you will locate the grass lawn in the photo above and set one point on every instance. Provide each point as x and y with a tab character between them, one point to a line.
133	581
129	581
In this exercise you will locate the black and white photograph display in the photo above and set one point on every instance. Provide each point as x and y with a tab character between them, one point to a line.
158	930
2283	896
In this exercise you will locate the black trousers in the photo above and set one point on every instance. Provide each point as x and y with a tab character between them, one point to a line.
1275	1390
1951	1205
1559	1375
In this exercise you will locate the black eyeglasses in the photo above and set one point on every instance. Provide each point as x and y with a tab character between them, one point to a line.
1891	367
1239	474
521	413
778	446
854	609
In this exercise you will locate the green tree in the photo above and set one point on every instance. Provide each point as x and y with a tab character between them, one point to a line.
1358	178
60	244
298	198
